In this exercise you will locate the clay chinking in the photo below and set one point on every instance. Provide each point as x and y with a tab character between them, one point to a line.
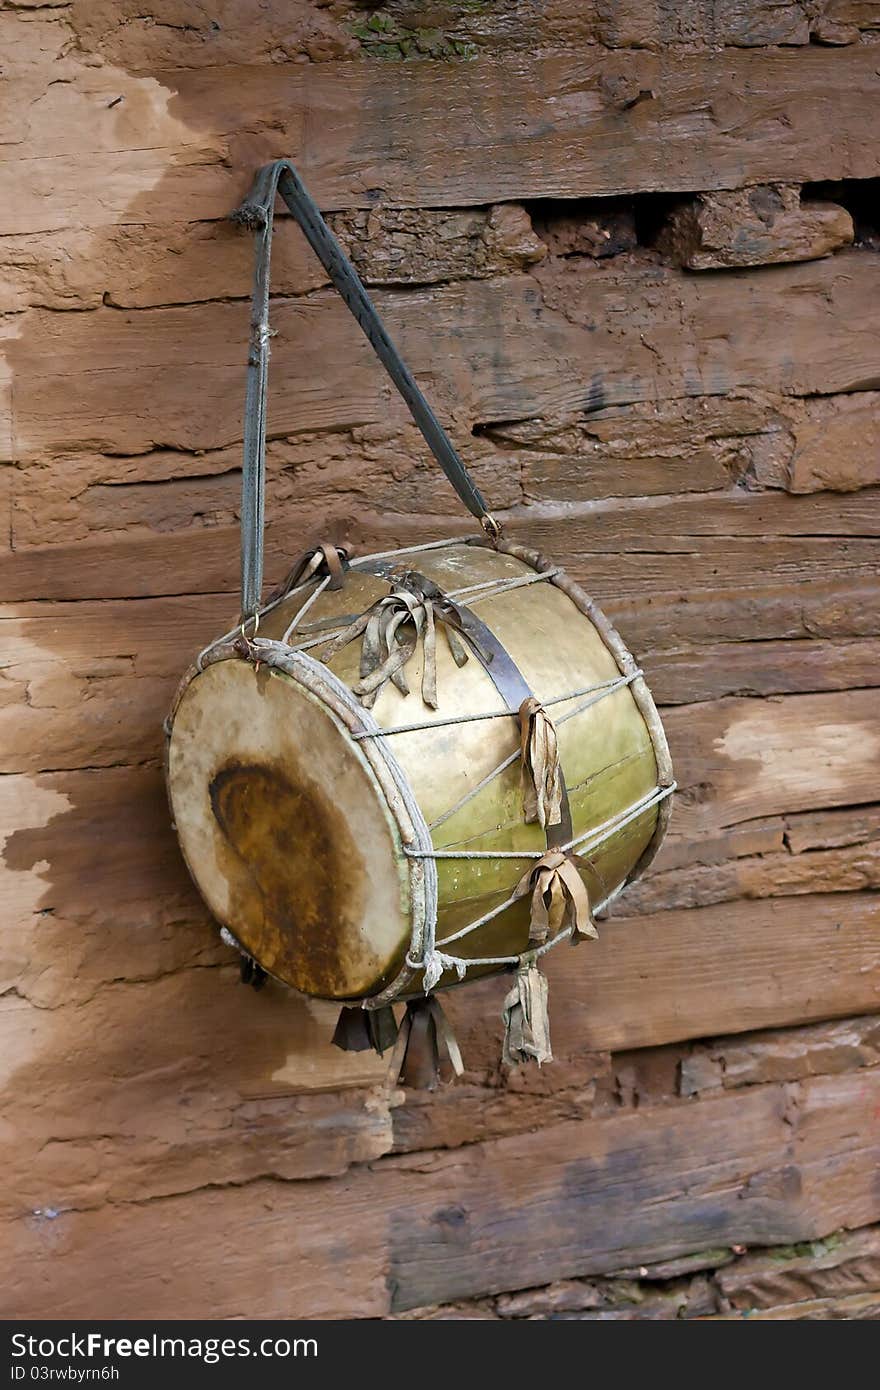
405	770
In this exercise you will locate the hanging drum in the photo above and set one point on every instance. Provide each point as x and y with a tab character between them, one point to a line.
405	770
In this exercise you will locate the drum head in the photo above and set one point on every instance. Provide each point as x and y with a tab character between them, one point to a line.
286	831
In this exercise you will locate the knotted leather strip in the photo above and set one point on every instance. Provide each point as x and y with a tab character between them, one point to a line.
424	1033
331	558
358	1030
540	773
391	630
526	1017
559	899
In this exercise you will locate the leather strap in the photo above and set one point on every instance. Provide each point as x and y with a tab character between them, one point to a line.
256	213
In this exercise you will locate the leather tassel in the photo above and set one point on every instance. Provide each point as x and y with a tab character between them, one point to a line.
383	1028
391	631
526	1017
358	1030
559	899
424	1034
251	972
540	772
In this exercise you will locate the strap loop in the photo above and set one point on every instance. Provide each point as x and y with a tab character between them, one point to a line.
332	560
256	214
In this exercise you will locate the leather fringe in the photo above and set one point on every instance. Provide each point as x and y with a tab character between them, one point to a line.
540	773
527	1018
358	1030
424	1032
559	899
391	630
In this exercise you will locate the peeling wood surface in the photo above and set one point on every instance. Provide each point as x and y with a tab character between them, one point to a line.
539	124
127	382
778	1163
699	448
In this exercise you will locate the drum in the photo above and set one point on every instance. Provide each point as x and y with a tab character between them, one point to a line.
335	841
408	768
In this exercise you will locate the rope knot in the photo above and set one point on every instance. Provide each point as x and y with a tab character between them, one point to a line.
436	964
249	215
559	899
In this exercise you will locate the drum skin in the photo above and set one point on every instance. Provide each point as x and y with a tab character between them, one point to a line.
289	836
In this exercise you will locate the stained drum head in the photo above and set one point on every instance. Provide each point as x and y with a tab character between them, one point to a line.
286	831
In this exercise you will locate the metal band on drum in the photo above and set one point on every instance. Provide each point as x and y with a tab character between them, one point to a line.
627	666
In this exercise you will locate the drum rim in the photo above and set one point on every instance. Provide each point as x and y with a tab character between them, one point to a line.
391	781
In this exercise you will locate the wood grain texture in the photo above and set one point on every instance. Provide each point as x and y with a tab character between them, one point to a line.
531	124
730	967
698	448
772	961
769	1165
171	378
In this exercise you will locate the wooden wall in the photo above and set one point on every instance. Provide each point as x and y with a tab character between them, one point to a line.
587	226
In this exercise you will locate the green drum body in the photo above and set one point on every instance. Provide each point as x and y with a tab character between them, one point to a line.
345	847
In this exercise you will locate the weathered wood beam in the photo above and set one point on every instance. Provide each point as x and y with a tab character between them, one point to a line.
767	1166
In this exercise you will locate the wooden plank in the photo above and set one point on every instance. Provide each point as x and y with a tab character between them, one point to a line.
257	32
84	496
151	36
829	829
89	684
765	876
572	344
90	858
94	885
741	759
766	1166
722	588
533	124
845	1265
698	972
261	1250
761	668
462	1251
173	1083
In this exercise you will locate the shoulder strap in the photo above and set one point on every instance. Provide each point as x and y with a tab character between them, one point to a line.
256	213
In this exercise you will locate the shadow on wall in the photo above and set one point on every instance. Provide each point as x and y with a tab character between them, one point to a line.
146	1059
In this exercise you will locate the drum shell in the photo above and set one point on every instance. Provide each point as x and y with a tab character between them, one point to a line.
612	755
